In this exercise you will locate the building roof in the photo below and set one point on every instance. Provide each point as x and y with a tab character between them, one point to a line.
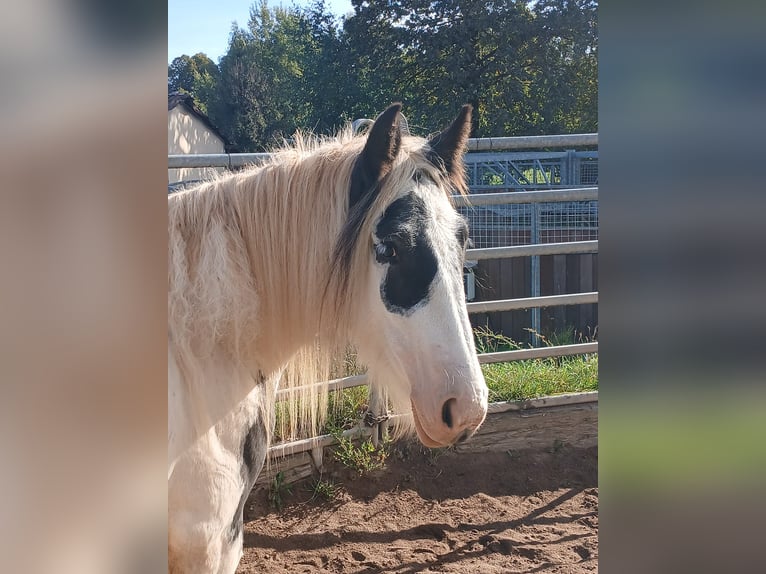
187	101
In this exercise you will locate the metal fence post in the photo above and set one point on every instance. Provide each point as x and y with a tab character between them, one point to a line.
571	175
535	272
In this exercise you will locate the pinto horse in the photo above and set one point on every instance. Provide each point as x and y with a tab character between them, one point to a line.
352	240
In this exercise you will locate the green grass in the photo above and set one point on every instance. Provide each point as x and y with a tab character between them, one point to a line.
515	380
518	380
541	377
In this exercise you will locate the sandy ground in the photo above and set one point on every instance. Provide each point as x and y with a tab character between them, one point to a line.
533	511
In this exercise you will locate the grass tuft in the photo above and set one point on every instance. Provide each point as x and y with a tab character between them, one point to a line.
362	458
324	489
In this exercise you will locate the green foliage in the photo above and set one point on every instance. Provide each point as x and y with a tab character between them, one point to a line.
527	68
346	407
518	380
324	489
278	489
197	75
363	458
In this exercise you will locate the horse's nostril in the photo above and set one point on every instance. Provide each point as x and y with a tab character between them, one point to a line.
447	412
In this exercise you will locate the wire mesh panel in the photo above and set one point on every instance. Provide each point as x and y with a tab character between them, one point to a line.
589	171
523	224
499	225
569	221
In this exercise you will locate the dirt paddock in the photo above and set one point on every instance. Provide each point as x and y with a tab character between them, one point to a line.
517	511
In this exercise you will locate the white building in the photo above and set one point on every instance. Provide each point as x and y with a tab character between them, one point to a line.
190	132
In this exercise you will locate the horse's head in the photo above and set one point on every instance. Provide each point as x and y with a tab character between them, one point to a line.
411	325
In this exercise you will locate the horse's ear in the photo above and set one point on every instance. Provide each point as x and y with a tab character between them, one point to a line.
449	145
377	158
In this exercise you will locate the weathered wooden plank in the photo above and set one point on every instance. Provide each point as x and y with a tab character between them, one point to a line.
575	425
295	467
542	402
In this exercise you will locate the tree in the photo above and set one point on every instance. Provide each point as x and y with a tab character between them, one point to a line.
566	93
282	73
445	51
526	67
240	91
196	75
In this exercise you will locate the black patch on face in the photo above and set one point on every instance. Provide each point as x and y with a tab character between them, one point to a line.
364	189
253	456
411	271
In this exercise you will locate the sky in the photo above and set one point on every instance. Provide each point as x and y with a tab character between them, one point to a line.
204	25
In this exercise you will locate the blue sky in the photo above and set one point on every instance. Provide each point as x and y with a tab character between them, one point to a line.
204	25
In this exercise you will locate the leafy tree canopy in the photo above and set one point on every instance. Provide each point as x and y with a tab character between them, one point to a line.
526	67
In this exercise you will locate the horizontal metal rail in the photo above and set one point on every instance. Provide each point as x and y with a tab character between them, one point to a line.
229	160
177	161
538	353
533	302
548	157
533	142
333	385
537	249
303	445
515	197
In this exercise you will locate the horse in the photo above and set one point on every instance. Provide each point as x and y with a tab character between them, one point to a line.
349	240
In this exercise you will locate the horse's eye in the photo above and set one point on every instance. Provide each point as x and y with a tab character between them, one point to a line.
385	252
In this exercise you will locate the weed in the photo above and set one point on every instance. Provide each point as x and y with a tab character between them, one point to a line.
345	408
487	341
278	489
325	489
363	458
